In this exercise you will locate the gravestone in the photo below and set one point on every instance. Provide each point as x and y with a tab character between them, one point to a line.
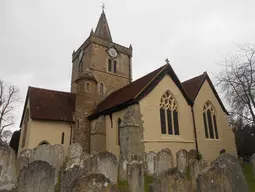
170	181
195	168
38	176
150	162
106	163
135	176
8	169
22	162
122	169
163	161
68	176
53	154
182	160
29	153
225	174
192	154
93	182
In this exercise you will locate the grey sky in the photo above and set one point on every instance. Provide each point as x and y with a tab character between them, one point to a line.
37	37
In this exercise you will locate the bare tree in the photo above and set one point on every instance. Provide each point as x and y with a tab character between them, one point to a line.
9	98
237	82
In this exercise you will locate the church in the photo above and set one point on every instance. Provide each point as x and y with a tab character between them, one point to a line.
106	110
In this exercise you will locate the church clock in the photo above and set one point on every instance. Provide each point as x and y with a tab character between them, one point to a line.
112	52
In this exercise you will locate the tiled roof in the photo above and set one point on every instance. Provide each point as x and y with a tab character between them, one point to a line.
50	105
193	85
135	91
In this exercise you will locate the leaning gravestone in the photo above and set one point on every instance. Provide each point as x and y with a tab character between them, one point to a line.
253	164
150	162
68	176
8	170
163	161
106	163
93	182
135	176
37	177
170	181
225	174
182	160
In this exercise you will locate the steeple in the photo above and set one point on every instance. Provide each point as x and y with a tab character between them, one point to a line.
103	30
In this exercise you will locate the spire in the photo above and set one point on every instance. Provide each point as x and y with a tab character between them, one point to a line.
103	30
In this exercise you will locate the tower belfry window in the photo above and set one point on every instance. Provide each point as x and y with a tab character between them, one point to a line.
115	66
109	65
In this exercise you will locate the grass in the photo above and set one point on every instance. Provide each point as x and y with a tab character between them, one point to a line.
247	169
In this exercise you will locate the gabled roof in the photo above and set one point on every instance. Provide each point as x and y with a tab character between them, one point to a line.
50	105
193	86
135	91
103	30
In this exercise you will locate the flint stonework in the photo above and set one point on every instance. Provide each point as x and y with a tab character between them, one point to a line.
105	163
163	161
182	160
171	181
135	176
93	182
37	177
225	174
8	169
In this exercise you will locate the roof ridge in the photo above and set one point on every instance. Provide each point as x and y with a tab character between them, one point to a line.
31	87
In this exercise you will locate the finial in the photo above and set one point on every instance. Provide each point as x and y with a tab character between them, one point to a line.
130	47
103	7
167	61
92	31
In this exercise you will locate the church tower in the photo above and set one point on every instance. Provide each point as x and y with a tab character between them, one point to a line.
100	67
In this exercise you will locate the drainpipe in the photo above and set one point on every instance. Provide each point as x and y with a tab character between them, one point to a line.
195	129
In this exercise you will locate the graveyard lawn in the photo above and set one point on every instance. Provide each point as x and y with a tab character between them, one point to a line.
247	169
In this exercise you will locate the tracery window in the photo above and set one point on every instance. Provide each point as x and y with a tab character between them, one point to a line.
210	123
169	114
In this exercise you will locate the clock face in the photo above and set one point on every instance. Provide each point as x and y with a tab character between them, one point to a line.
112	52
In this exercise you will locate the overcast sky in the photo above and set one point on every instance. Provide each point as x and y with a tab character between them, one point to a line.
37	37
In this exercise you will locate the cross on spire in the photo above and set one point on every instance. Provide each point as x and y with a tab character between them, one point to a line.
103	6
167	60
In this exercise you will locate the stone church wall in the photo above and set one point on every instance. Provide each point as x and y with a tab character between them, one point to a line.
153	139
210	148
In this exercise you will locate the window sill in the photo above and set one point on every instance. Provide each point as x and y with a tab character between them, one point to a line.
208	139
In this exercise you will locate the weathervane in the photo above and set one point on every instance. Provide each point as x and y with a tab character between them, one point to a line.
103	6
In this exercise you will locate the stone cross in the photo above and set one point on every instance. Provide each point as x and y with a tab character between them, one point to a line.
167	61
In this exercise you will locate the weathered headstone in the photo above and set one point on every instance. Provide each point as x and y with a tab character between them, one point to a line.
253	164
150	162
37	177
192	154
195	168
135	176
122	169
93	182
29	153
225	174
106	163
68	176
8	169
163	161
53	154
74	151
182	160
169	181
22	162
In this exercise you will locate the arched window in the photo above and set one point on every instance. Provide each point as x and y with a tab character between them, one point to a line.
80	67
101	88
63	138
44	143
88	87
210	123
115	66
169	114
109	65
118	129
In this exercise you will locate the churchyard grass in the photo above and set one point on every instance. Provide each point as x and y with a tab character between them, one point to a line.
247	169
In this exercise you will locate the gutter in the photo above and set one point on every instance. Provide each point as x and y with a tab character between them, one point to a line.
195	129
